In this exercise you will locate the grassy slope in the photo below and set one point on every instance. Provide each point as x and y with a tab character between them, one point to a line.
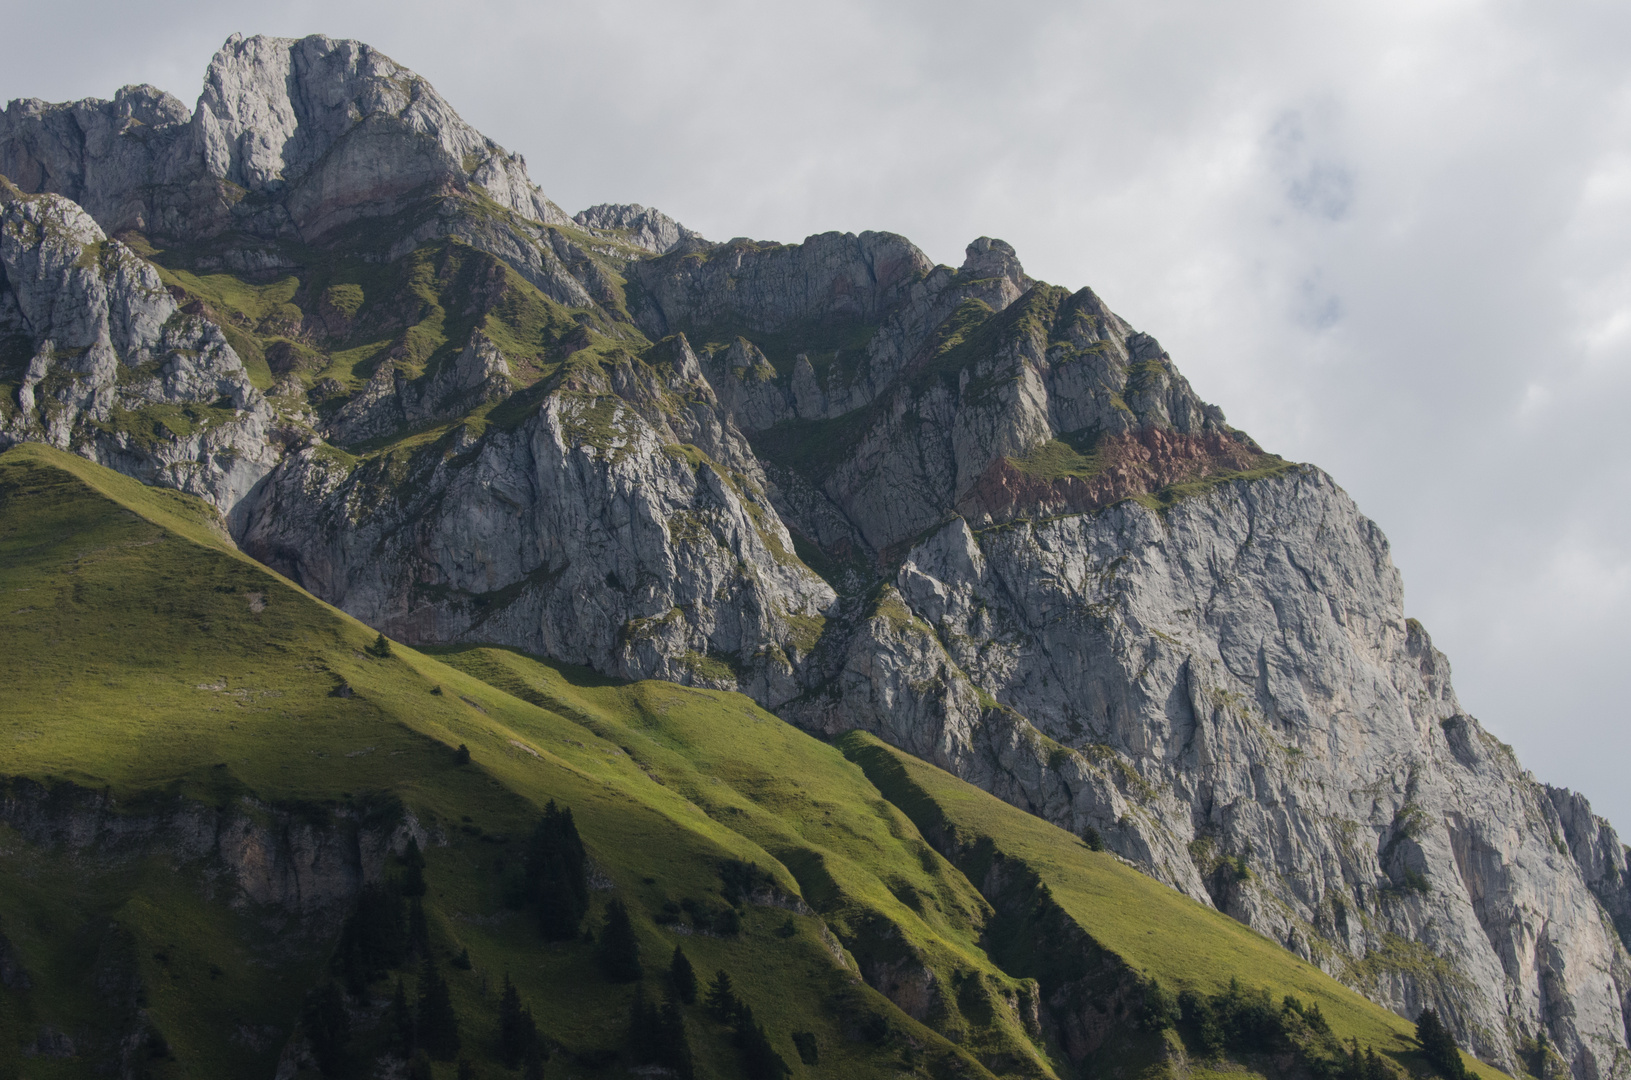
1155	929
96	571
853	857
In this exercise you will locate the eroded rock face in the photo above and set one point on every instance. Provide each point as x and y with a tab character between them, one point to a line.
317	132
645	227
110	359
345	131
1046	564
1230	695
391	402
304	871
608	528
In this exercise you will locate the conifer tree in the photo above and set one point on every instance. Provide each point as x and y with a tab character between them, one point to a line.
436	1027
759	1059
400	1019
372	939
327	1026
1438	1046
419	1066
674	1051
721	1002
556	874
619	950
682	977
517	1033
1353	1067
645	1039
418	929
413	869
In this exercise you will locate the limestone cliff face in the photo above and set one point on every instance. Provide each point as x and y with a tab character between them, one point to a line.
608	528
1229	694
103	361
303	135
1045	563
301	872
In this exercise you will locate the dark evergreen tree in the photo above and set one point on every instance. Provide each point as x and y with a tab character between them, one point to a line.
805	1043
682	977
556	874
436	1027
645	1035
373	938
517	1033
721	1001
418	929
1353	1064
461	756
1198	1020
419	1066
534	1067
381	647
328	1027
413	869
400	1019
759	1059
619	951
674	1049
1438	1046
467	1071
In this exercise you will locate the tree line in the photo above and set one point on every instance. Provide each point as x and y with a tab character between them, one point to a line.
387	932
1244	1022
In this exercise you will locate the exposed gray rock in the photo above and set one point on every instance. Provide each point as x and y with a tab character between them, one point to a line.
346	131
770	287
106	343
294	139
1232	685
318	132
593	530
644	227
391	401
128	162
256	856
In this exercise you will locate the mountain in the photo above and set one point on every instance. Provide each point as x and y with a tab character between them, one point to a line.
975	515
191	837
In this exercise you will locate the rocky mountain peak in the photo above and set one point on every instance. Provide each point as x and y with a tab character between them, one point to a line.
327	131
646	228
351	128
988	258
149	106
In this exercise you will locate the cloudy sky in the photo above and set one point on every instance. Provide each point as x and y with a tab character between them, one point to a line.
1392	238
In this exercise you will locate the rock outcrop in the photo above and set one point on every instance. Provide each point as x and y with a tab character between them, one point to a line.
1229	694
1045	563
607	527
289	136
644	227
103	361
